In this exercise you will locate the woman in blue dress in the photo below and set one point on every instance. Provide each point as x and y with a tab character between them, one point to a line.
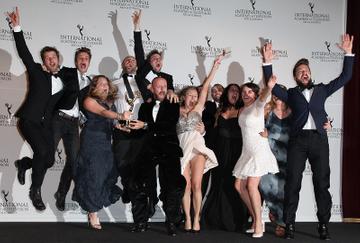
95	173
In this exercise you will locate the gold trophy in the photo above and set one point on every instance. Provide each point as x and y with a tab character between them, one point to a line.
131	103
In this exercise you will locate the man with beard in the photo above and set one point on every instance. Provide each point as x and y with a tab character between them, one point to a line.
308	138
66	118
35	114
157	121
150	67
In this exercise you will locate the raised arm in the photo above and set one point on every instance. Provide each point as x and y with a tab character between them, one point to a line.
20	43
345	76
138	46
267	89
204	91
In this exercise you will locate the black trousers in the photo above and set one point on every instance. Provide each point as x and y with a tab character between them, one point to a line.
172	185
308	144
40	137
68	131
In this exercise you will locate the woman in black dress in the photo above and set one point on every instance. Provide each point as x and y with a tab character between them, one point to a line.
95	173
223	208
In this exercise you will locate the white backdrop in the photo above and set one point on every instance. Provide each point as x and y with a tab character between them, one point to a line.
191	32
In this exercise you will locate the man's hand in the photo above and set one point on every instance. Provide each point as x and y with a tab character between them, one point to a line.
14	17
172	97
122	128
136	124
136	19
267	53
346	44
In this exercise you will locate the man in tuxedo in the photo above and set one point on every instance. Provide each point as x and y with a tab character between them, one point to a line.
157	120
308	138
126	142
149	68
66	118
35	114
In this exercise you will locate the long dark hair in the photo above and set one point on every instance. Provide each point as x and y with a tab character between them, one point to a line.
224	99
94	93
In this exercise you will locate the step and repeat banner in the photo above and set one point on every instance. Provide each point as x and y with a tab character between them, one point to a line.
191	33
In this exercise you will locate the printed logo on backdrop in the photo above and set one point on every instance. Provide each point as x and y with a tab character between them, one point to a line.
7	118
59	160
4	162
327	53
66	2
80	38
5	76
192	8
312	16
149	43
277	53
252	13
335	132
336	208
191	78
207	49
251	79
8	206
130	4
6	31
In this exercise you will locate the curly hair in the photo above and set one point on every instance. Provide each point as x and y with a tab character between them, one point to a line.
94	93
224	99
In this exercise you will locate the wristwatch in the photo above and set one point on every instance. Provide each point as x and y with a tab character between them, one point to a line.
145	125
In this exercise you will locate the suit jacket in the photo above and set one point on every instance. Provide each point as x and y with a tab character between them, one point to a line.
39	103
300	107
161	138
144	68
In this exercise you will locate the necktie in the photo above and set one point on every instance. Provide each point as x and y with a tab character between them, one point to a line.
156	109
127	85
82	81
309	86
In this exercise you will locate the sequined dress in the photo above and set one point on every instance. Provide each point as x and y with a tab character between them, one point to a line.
192	142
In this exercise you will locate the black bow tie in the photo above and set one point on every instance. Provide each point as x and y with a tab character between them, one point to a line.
309	87
56	75
126	75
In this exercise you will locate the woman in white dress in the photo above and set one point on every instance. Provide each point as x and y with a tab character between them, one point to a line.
197	157
256	157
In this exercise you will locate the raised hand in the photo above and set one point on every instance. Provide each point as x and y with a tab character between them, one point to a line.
346	43
267	52
113	16
136	19
14	17
218	60
272	81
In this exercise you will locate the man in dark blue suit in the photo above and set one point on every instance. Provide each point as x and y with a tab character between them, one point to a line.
308	138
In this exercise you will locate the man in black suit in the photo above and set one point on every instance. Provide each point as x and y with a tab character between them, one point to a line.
35	114
66	118
150	67
157	120
308	138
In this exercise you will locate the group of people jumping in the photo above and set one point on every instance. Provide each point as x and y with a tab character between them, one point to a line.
237	149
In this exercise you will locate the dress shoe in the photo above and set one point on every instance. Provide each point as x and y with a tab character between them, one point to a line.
289	231
323	232
171	229
35	196
60	201
139	227
251	230
21	172
125	198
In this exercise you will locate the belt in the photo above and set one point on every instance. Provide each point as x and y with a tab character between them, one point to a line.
67	117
